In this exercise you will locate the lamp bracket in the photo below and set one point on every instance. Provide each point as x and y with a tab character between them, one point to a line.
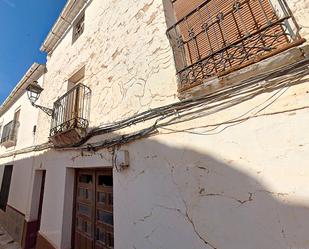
48	111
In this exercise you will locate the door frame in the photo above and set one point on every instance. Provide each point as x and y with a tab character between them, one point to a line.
32	227
94	171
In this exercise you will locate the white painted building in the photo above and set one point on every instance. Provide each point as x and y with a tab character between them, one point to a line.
18	122
141	154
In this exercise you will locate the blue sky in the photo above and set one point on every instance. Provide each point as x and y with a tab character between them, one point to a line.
24	24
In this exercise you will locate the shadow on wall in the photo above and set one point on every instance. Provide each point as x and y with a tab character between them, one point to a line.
187	200
179	198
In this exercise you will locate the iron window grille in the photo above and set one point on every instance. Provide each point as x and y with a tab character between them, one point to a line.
215	37
78	28
9	132
71	111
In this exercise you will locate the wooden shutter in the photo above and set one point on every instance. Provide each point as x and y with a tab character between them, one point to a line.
223	34
253	15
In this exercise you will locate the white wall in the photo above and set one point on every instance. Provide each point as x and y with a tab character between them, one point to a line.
59	185
20	183
128	61
22	165
242	187
245	187
28	118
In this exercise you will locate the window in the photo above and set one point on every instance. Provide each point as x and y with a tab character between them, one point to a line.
78	27
5	186
10	131
215	37
71	111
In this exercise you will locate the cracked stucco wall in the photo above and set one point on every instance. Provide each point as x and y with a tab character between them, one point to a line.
128	61
185	191
127	57
242	187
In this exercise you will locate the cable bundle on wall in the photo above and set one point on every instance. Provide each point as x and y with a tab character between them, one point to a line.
197	107
189	109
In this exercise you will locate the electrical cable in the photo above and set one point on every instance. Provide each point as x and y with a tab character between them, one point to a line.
300	68
249	85
190	109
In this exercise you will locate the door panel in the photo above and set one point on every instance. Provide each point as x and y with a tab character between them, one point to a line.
94	210
104	210
84	209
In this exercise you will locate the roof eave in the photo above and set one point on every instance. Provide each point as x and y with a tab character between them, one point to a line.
33	74
64	21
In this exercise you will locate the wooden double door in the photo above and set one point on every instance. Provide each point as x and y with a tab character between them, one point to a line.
94	209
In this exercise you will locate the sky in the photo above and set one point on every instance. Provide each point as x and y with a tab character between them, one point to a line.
24	25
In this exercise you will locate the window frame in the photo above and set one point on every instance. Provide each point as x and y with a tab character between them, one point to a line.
191	35
16	119
12	133
78	27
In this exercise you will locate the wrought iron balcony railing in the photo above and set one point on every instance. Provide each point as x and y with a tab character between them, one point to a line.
215	37
9	133
71	111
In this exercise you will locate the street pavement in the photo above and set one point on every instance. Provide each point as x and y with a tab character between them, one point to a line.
6	241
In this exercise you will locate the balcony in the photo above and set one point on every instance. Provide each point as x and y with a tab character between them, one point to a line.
213	38
9	134
71	116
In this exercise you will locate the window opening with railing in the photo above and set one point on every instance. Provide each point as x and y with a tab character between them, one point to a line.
9	132
71	110
215	37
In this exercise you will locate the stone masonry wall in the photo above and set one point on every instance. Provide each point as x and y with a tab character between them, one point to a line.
202	184
129	63
128	60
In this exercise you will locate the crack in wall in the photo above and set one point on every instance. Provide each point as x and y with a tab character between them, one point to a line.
143	219
250	198
186	213
190	220
152	232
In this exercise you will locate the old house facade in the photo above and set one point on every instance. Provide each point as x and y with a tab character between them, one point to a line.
18	122
175	124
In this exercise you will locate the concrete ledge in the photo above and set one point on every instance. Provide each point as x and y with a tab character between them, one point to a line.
211	85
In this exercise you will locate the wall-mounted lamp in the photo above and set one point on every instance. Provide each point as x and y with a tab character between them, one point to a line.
33	91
